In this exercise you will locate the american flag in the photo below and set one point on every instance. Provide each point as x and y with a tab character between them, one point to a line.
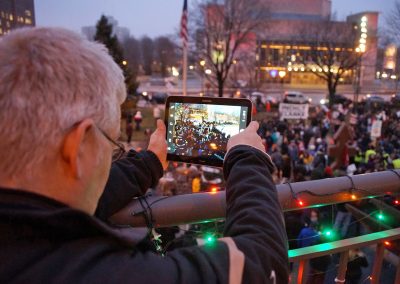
184	28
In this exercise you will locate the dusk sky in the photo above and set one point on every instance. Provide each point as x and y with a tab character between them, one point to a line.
155	17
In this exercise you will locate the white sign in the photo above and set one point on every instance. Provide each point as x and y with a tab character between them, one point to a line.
376	129
293	111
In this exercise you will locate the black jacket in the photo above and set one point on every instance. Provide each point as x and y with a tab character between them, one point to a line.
44	241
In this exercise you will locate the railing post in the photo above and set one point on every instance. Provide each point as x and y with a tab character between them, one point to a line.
341	276
397	279
376	269
302	274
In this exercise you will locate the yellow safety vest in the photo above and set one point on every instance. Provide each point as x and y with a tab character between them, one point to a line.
196	185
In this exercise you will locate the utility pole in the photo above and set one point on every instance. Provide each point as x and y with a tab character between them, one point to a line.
359	54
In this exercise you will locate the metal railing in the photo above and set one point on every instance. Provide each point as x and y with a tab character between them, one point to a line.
303	255
194	208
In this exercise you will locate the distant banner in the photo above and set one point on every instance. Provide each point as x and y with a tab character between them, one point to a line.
376	129
293	111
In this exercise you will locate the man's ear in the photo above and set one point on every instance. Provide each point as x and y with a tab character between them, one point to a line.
73	146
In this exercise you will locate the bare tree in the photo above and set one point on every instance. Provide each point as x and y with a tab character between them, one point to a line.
330	53
147	50
132	53
221	29
393	22
165	54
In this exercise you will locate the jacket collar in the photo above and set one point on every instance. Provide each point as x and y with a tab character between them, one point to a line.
49	218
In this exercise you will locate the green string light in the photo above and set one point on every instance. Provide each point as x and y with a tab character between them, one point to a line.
209	239
329	233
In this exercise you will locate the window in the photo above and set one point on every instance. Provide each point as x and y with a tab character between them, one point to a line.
28	13
28	21
11	17
8	24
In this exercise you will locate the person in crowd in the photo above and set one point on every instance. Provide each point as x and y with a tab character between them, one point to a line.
129	132
307	161
59	187
138	119
357	260
342	220
277	159
309	236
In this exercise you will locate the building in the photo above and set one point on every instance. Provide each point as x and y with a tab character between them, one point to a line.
294	31
15	14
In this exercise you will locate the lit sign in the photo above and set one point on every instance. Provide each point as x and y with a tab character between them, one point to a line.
389	62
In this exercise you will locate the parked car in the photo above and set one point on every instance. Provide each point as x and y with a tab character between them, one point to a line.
340	99
159	98
374	99
211	179
374	102
395	99
255	96
296	97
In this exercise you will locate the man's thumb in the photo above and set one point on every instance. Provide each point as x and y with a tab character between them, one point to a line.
253	126
160	125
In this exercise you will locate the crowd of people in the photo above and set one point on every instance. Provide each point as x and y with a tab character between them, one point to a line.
300	149
198	139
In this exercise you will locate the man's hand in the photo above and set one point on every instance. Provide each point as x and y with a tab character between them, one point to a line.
158	144
248	136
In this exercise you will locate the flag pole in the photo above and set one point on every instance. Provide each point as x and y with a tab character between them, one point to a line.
184	86
184	36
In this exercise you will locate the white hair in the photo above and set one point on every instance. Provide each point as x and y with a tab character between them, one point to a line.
50	79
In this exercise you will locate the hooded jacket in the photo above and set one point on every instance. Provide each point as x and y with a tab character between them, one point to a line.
45	241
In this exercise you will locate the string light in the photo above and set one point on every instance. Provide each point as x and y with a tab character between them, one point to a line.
387	243
209	239
328	233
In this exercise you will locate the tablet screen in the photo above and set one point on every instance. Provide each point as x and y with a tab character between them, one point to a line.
199	132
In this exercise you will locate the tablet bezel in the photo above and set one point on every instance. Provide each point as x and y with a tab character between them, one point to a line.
203	100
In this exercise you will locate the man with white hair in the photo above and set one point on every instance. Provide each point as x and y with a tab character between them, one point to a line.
60	99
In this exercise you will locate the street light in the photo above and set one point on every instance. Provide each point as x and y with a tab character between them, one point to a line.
202	63
282	75
362	47
359	53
